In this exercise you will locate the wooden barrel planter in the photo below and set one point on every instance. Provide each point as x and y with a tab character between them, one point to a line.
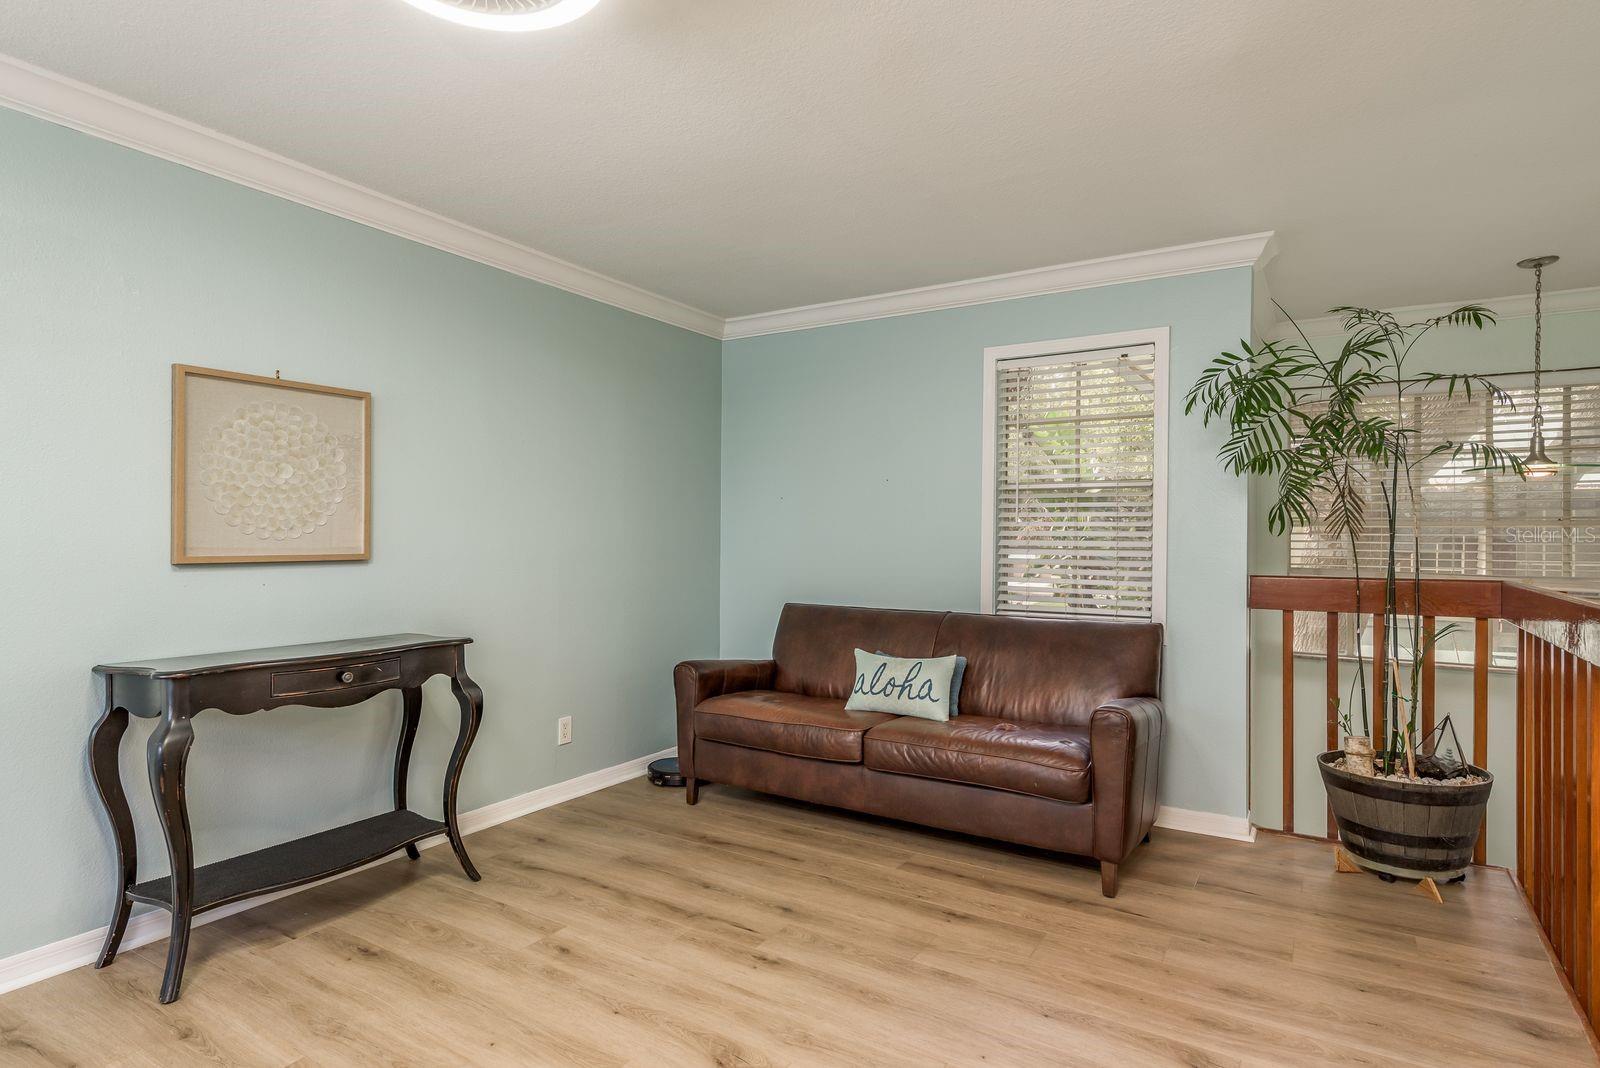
1413	830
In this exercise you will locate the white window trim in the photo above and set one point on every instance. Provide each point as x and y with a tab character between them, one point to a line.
1067	349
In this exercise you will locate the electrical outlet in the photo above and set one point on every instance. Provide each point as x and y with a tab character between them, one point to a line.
564	730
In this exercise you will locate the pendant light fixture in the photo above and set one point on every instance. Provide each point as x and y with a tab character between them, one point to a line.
507	15
1539	463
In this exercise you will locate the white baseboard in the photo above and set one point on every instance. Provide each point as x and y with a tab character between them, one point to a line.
1215	824
32	965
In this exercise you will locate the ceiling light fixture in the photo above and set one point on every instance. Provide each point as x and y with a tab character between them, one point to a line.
507	15
1539	463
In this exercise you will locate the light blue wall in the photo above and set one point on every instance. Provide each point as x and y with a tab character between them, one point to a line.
851	474
545	479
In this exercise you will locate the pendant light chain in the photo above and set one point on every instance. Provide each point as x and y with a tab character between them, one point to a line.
1538	344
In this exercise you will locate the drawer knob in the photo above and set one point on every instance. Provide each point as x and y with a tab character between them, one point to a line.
347	676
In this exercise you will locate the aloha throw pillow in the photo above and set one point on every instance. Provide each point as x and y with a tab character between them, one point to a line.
955	683
903	686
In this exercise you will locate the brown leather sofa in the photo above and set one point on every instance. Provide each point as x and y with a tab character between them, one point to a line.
1057	744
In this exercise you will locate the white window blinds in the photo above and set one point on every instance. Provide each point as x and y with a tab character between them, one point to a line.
1484	523
1076	484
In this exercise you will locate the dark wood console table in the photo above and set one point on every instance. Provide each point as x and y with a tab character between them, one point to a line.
324	675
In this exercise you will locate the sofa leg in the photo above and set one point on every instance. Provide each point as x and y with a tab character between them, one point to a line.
1108	878
691	790
1145	840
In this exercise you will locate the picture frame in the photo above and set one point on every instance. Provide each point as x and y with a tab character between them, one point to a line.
267	470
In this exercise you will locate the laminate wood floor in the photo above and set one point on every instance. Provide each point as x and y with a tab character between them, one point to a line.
625	928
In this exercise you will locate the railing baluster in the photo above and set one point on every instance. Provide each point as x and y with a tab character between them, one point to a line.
1522	757
1589	710
1481	652
1549	677
1536	654
1565	796
1557	811
1428	627
1288	721
1536	797
1331	680
1583	916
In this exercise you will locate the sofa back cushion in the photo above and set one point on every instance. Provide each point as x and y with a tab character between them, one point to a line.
816	643
1049	670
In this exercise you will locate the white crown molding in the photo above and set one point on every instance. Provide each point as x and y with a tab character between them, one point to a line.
33	965
82	107
1215	824
37	92
1251	250
1560	302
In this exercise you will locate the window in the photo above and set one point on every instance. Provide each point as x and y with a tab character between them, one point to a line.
1477	523
1074	478
1481	523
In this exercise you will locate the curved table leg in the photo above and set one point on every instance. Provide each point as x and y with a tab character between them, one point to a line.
167	756
411	715
104	744
470	698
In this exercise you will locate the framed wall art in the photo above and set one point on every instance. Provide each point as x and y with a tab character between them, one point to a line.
268	471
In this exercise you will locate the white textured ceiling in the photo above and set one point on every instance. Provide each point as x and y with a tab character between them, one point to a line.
748	155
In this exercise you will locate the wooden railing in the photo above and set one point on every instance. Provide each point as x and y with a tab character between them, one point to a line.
1557	755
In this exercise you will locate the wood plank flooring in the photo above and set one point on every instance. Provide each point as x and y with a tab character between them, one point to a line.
625	928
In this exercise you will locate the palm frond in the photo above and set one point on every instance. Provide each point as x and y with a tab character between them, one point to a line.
1487	457
1474	315
1467	383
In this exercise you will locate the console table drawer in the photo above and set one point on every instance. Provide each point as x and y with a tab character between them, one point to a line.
321	680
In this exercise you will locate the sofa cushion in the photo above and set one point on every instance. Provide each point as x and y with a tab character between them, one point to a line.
1049	670
816	643
816	727
1040	759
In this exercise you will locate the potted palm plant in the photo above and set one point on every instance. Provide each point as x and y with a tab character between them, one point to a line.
1326	427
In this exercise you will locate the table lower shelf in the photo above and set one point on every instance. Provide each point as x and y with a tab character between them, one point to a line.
303	860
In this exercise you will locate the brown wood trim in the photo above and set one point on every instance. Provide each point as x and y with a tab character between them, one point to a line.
1468	598
1547	677
1331	682
1520	601
1440	597
1583	930
1481	653
1522	757
1565	881
1536	658
1569	818
1288	721
1589	709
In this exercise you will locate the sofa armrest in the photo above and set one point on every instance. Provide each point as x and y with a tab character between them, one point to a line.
699	680
1125	747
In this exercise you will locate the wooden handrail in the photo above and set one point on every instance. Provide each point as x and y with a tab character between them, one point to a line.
1520	601
1469	598
1461	598
1557	756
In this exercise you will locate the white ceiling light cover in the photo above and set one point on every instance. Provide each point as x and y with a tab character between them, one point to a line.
510	15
